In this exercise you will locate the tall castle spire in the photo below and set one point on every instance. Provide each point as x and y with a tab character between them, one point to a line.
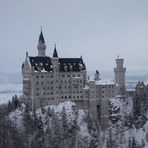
55	54
41	38
41	45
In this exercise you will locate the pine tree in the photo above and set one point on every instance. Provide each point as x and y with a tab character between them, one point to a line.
55	140
26	122
9	106
40	134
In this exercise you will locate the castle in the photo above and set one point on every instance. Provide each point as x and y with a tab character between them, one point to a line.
51	80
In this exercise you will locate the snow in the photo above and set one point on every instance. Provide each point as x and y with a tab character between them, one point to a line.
122	108
83	126
86	87
104	82
17	116
76	118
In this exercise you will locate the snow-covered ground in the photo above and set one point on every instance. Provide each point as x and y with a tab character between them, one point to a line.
9	90
64	121
122	132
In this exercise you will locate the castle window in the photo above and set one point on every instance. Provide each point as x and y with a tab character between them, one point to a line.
42	76
65	97
65	87
73	96
51	76
51	93
42	82
37	94
51	82
51	87
78	75
73	75
63	76
77	96
68	75
37	82
37	77
37	88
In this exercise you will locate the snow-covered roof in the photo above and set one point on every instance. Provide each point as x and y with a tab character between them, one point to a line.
86	87
106	82
44	64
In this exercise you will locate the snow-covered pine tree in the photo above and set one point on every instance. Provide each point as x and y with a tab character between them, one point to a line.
40	134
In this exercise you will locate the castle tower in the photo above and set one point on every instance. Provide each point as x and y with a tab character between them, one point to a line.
120	76
41	45
55	63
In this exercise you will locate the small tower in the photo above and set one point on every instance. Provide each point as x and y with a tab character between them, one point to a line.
55	54
120	76
55	59
55	64
97	76
41	45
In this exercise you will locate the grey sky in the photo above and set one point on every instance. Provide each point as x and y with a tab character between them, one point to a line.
96	29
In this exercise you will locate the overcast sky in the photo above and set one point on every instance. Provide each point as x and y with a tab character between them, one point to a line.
98	30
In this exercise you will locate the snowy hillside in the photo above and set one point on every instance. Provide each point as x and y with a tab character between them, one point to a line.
124	131
61	126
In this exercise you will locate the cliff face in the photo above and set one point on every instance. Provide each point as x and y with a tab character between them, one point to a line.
65	126
126	129
61	126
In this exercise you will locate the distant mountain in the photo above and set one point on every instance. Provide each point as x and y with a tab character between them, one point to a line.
8	78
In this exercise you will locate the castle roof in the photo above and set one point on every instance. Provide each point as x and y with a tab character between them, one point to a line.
44	64
41	63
